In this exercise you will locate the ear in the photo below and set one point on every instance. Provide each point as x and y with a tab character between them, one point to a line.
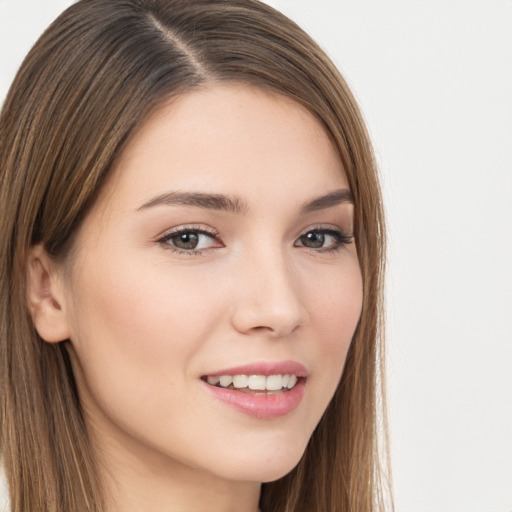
46	297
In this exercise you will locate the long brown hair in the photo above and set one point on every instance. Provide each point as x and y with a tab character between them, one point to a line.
88	83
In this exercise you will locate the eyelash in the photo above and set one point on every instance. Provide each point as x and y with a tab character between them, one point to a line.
164	241
341	239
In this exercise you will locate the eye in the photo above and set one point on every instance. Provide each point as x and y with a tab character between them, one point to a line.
189	240
324	239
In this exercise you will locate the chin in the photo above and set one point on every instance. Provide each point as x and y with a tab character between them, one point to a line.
263	465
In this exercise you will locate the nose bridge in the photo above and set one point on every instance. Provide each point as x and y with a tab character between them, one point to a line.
269	297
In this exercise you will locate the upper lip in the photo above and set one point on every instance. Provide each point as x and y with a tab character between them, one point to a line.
264	368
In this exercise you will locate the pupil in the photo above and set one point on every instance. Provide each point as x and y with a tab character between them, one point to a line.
186	241
314	240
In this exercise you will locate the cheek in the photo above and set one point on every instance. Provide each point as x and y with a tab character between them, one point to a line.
136	329
145	315
336	306
335	311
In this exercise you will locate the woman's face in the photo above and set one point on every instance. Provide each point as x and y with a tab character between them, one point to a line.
221	247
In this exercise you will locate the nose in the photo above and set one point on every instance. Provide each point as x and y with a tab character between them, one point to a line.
268	298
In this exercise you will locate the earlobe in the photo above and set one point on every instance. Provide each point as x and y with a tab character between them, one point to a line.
45	297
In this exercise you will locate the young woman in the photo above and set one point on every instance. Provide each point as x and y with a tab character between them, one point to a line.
191	277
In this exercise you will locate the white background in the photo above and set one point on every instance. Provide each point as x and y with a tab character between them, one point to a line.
434	79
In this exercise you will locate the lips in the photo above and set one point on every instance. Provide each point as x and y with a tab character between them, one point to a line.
261	390
265	368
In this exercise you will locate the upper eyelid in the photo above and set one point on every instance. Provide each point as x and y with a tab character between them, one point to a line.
184	228
327	227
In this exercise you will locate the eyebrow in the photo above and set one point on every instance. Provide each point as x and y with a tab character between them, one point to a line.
231	204
328	201
200	200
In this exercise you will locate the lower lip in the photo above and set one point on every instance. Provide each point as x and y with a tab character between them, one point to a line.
260	405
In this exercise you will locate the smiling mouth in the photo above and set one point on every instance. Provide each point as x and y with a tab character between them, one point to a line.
254	384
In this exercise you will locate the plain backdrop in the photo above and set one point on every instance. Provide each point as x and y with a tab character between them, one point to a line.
434	80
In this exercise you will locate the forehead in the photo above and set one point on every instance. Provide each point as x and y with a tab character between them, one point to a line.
230	139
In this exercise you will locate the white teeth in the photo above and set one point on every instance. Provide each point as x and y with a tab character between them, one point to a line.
292	381
225	380
274	382
255	382
240	381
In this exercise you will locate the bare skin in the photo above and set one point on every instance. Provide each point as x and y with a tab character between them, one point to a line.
164	288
